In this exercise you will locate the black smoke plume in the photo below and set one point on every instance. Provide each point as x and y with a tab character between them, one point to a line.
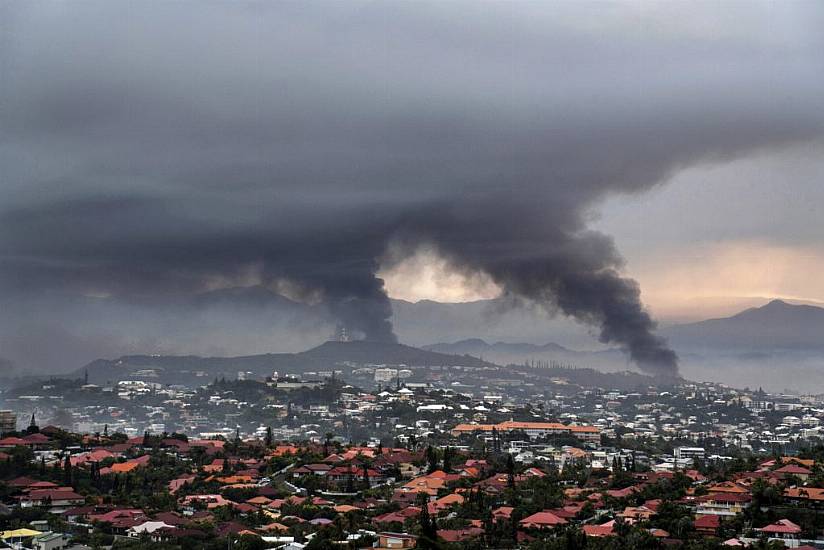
156	150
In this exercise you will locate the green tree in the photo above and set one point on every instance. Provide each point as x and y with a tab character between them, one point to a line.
448	454
431	459
67	470
428	537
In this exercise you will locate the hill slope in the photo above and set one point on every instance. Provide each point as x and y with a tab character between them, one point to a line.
504	353
190	368
477	347
774	326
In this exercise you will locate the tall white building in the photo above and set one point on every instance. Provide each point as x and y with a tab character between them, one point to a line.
690	453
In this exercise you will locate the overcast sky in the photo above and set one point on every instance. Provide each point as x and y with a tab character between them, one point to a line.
726	236
553	151
725	233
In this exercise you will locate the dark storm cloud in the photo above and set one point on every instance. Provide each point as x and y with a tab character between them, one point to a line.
149	150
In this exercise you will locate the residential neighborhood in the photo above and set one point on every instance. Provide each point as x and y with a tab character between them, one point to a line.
443	459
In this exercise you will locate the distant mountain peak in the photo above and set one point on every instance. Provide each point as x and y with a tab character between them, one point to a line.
777	307
472	341
478	347
365	351
777	324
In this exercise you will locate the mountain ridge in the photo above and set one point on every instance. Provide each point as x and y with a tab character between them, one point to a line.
778	331
479	345
185	368
776	325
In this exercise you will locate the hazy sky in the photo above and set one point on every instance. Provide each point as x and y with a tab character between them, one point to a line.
751	228
553	151
714	239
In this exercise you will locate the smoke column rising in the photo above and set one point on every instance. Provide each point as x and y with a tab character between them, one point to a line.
151	154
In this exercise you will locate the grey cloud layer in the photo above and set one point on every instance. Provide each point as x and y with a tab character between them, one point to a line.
148	149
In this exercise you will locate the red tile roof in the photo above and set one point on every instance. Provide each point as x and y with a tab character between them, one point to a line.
793	469
459	535
38	495
605	530
782	526
707	522
543	519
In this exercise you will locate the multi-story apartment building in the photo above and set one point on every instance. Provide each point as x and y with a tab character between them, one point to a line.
8	421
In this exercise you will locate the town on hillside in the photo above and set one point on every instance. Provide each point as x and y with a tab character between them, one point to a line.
399	456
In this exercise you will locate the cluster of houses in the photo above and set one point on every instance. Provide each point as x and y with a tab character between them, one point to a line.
287	494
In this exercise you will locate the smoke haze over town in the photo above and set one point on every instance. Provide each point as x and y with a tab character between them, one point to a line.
430	274
228	179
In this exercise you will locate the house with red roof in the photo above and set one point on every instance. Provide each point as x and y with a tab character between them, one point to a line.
502	513
178	445
11	442
598	531
21	482
471	472
782	529
215	466
341	474
653	504
542	520
245	508
727	487
37	441
311	469
623	493
771	463
210	501
794	470
634	514
120	448
42	485
61	497
283	450
172	518
707	525
76	513
114	516
127	466
259	500
429	484
696	476
210	447
404	497
274	527
176	484
399	516
459	535
97	455
444	503
808	495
